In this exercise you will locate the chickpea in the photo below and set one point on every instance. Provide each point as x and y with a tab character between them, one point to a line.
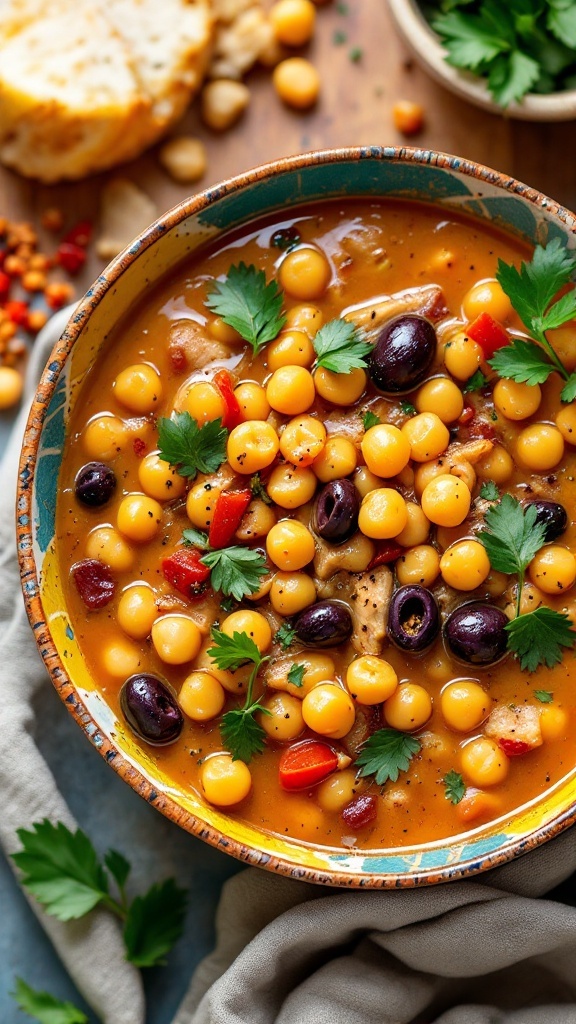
441	396
297	83
386	450
497	466
483	763
516	401
382	514
417	527
291	592
158	479
290	348
304	318
176	638
462	357
408	117
427	436
463	471
293	21
337	459
446	501
290	390
530	599
120	659
252	446
254	624
329	710
284	720
137	611
553	723
204	403
302	440
289	486
428	471
257	521
337	790
305	272
139	517
139	388
201	502
371	680
108	546
553	569
487	297
409	707
223	332
566	422
464	704
540	446
495	583
365	481
201	696
234	682
340	388
104	437
225	782
11	387
290	545
251	398
465	565
420	565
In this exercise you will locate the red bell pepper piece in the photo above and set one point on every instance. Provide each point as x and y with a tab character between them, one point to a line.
71	256
5	283
386	551
228	511
513	748
17	311
184	570
488	333
232	412
80	234
306	764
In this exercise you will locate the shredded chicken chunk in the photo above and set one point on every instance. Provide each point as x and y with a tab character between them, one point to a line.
515	725
368	596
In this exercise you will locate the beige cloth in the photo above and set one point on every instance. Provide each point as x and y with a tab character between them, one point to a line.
486	951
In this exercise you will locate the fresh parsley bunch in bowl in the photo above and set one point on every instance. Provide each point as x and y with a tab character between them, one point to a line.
518	58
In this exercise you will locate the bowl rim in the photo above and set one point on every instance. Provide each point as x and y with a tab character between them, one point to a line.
425	45
30	572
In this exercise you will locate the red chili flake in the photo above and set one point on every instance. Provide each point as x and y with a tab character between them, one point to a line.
513	748
139	447
360	812
386	551
94	582
467	415
17	311
80	234
70	256
178	358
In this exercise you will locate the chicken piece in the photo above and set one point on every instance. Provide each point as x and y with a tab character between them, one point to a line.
367	594
516	730
428	301
367	721
191	347
470	451
353	555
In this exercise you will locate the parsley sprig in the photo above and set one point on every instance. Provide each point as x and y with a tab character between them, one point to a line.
248	303
235	571
512	537
190	448
241	733
340	348
454	787
531	291
46	1008
386	753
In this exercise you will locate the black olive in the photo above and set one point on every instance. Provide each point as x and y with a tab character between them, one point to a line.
94	484
151	709
336	511
552	515
475	633
413	618
286	238
324	624
403	354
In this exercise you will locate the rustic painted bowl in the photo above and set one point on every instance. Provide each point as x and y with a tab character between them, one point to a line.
428	50
452	184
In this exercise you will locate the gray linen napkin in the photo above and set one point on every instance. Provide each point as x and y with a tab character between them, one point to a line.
486	951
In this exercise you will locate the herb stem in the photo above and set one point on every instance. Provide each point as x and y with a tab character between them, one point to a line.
541	337
120	910
252	680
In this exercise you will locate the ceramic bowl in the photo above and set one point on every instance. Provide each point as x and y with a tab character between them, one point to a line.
452	184
426	47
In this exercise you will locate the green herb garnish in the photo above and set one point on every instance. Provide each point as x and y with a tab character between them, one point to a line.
408	409
235	571
248	303
285	635
475	382
258	489
489	491
241	733
455	787
190	448
296	674
339	347
370	419
386	753
544	696
45	1008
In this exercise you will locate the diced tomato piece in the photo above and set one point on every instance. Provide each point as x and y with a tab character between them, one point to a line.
513	748
488	333
139	447
17	311
94	582
232	412
228	511
360	812
467	415
70	256
80	234
5	283
386	551
178	358
184	570
306	764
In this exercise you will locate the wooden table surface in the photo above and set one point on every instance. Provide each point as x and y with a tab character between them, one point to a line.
355	108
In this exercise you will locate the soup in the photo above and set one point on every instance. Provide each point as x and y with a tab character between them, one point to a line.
274	550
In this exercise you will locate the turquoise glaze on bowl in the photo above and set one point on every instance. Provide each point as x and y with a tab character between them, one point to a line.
447	181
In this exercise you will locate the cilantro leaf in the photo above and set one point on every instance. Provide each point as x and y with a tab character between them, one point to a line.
454	787
248	304
118	867
190	448
522	361
154	923
242	734
537	637
532	288
230	652
196	539
285	635
408	409
475	382
236	571
468	41
511	76
60	868
568	393
296	674
561	21
386	753
339	348
370	419
44	1007
544	696
258	489
489	491
512	536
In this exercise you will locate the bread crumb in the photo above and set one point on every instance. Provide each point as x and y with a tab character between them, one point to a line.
125	211
223	101
184	158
